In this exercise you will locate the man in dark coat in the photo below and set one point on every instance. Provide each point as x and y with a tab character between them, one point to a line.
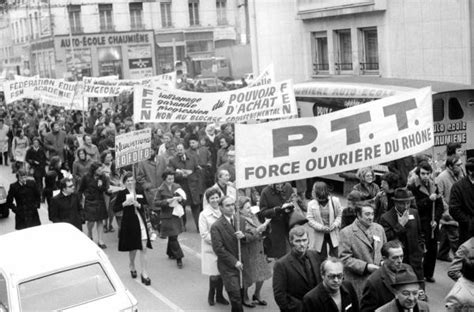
225	233
403	223
271	201
461	202
66	206
296	273
186	168
427	198
36	158
378	288
333	294
27	201
55	141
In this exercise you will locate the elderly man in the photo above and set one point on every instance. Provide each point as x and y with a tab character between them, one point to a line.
403	223
296	273
378	288
465	251
407	287
430	208
359	247
225	234
461	201
333	294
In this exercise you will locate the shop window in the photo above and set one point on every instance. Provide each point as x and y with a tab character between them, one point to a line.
344	50
74	12
105	14
166	14
454	109
320	52
136	12
438	110
221	12
110	61
198	46
193	6
370	56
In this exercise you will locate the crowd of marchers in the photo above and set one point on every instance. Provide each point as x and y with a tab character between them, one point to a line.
375	254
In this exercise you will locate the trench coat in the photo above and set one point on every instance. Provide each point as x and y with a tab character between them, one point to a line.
66	209
171	225
316	223
190	184
130	235
149	174
27	202
356	252
208	257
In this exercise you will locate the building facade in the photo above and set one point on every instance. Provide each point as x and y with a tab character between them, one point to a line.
430	40
131	39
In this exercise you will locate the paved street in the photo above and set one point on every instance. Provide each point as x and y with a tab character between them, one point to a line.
186	290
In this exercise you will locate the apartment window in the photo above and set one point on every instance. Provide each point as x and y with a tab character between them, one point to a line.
136	10
221	12
193	6
74	12
166	14
370	55
105	14
344	50
320	52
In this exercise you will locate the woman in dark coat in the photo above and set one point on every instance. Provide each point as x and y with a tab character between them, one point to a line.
36	158
93	186
133	233
171	225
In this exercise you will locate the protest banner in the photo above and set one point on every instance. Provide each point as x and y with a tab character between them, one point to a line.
23	87
164	81
266	77
99	87
263	102
60	93
363	135
132	147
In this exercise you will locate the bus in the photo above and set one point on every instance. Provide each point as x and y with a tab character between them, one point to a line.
453	105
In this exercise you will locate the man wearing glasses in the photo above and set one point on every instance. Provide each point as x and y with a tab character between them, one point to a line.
66	206
333	294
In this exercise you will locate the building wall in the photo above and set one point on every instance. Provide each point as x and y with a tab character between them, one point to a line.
428	39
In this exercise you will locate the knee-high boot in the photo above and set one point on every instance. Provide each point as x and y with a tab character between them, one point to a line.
212	290
219	289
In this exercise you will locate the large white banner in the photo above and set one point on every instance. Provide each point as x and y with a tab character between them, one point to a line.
263	102
132	147
363	135
266	77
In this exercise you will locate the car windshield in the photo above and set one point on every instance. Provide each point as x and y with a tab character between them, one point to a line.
65	289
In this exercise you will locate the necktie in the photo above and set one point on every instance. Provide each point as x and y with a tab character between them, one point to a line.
232	222
309	271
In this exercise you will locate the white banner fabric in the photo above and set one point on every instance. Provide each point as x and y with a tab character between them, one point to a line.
263	102
360	136
132	147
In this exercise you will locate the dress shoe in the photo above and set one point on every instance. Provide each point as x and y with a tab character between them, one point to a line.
103	246
430	279
133	273
222	300
146	281
259	301
248	304
179	262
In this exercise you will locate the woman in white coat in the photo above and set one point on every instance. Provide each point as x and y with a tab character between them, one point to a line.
324	217
208	216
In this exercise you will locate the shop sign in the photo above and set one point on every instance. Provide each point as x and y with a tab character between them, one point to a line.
106	40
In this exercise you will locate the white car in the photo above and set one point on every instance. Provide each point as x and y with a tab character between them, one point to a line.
56	267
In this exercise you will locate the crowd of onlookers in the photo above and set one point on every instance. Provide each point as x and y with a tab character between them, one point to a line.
373	253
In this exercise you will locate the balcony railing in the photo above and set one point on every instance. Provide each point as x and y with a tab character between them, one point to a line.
320	67
77	30
369	66
343	66
138	26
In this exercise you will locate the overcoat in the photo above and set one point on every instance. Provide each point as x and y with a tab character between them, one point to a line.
130	235
208	257
319	299
316	223
409	235
66	209
224	244
356	252
171	225
149	176
392	306
190	184
27	202
290	282
94	203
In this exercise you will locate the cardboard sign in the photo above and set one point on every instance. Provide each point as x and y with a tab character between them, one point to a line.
132	147
360	136
263	102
